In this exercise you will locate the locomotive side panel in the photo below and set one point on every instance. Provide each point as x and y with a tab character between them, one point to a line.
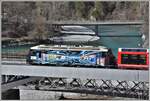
67	57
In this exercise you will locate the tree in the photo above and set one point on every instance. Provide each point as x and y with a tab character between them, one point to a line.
97	11
39	33
79	7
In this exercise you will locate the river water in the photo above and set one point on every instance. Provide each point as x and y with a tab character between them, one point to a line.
117	42
111	42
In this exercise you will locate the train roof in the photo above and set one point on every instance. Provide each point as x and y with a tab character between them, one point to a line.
68	47
132	48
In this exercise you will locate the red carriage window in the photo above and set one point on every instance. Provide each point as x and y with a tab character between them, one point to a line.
137	59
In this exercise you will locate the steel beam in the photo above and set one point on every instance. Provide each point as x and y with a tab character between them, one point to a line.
74	72
7	86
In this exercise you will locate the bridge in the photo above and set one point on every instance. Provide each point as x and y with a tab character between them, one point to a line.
71	22
93	23
74	72
98	23
99	81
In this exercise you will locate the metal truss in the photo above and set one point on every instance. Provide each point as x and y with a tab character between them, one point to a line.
131	89
11	78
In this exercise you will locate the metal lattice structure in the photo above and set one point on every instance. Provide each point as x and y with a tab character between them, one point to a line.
131	89
11	78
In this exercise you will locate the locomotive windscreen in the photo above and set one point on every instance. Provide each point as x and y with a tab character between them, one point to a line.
133	59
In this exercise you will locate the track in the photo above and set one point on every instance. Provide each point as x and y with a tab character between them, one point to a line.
84	73
23	62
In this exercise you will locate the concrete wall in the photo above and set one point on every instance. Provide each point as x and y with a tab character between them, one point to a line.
39	95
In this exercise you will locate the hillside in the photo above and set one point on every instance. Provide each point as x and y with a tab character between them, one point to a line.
27	19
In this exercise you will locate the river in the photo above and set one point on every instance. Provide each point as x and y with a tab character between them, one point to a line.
111	42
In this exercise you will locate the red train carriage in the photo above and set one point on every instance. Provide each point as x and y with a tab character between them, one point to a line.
133	58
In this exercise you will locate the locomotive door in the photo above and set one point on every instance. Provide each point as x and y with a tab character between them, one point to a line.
41	57
38	56
44	57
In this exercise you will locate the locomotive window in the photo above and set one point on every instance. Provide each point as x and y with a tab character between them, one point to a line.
104	54
133	59
32	52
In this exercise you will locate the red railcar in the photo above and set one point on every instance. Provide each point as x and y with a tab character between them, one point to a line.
133	58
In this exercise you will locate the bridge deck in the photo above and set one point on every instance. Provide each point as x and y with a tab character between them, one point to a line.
95	22
71	72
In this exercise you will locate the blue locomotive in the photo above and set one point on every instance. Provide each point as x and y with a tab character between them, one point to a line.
70	55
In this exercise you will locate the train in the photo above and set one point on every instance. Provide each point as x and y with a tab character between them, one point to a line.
88	56
133	58
71	55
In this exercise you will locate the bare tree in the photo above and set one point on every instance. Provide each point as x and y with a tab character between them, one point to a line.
39	33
